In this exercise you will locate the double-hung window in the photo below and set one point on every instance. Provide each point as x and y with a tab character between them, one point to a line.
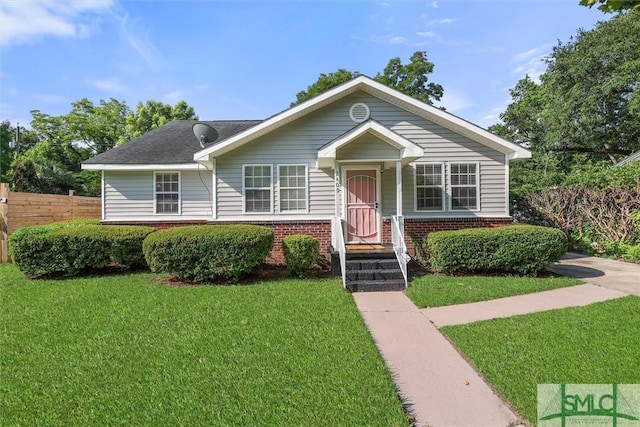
167	193
257	188
464	186
292	185
429	181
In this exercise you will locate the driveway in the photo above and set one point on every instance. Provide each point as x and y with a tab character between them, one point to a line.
608	273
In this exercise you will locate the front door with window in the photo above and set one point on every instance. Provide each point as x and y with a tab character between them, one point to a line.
362	213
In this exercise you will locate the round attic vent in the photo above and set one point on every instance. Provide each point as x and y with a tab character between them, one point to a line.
359	112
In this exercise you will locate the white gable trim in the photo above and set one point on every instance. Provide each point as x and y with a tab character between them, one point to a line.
381	91
409	151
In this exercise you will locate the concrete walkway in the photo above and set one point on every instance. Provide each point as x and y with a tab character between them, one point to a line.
573	296
618	275
439	386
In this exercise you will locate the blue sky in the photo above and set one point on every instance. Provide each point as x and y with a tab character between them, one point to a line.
247	60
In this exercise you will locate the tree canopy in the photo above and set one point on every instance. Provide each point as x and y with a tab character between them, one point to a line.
608	6
154	114
411	79
588	99
49	157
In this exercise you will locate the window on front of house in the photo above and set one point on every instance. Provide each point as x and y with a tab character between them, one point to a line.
292	185
464	186
167	192
257	188
429	181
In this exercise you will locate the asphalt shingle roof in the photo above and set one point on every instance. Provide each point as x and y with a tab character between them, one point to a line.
170	144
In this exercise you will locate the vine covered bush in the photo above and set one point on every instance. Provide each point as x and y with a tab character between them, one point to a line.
301	253
204	253
519	249
70	248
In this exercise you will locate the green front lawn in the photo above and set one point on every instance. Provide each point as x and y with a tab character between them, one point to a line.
435	291
125	350
595	344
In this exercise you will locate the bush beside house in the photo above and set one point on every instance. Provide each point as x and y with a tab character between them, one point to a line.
205	253
520	249
301	253
71	247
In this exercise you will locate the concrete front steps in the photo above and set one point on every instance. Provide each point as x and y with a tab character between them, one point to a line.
373	271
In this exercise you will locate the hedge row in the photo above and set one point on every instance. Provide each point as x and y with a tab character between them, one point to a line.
520	249
71	247
204	253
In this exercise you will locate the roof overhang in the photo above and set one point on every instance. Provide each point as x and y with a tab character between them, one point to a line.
409	151
368	85
143	167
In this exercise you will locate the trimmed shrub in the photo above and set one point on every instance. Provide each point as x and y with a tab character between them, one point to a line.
520	249
301	253
203	253
70	247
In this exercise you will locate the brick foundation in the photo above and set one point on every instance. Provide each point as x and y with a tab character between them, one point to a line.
414	228
321	230
417	228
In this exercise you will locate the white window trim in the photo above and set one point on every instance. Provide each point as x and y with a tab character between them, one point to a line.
443	187
244	189
306	171
155	193
450	186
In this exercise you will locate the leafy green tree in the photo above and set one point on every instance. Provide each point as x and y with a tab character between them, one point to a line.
608	6
587	104
6	153
154	114
99	127
324	83
411	79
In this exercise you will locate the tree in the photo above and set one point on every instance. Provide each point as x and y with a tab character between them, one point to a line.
99	127
411	79
587	104
324	83
608	6
154	114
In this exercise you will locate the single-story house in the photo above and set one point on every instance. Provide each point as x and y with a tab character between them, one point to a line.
359	164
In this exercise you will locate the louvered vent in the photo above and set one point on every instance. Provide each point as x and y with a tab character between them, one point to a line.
359	112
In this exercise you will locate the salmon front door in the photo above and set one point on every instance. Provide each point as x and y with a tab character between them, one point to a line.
363	221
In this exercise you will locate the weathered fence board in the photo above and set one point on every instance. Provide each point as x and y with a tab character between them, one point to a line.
24	209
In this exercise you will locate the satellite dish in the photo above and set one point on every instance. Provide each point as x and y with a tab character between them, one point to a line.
204	133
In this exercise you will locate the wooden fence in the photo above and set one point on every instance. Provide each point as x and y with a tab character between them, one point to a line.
20	209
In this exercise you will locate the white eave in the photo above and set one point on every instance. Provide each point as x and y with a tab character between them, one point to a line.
143	167
409	151
433	114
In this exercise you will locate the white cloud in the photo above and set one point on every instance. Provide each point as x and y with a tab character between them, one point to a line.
531	62
29	21
396	40
454	102
427	34
434	4
173	97
108	85
492	116
48	98
139	39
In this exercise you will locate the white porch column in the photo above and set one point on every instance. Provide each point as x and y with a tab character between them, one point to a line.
336	180
399	188
214	189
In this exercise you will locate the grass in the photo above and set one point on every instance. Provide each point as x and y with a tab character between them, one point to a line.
436	291
125	350
595	344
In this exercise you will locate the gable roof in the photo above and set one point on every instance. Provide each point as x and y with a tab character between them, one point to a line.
409	150
368	85
171	144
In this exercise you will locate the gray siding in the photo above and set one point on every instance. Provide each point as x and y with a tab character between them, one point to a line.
130	195
299	142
